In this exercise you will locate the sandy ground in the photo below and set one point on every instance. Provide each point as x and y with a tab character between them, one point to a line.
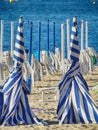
47	110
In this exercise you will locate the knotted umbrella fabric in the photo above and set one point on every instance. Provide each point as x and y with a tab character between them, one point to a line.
75	103
16	106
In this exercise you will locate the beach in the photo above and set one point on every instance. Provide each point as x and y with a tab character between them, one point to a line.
47	110
51	14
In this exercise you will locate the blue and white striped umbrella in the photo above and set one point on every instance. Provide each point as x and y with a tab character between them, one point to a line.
75	103
16	109
74	49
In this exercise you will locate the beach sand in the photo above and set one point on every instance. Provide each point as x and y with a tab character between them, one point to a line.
47	110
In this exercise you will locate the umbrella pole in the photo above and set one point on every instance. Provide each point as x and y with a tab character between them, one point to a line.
30	55
86	34
2	38
62	48
54	37
68	38
12	38
30	47
82	34
48	37
1	49
39	40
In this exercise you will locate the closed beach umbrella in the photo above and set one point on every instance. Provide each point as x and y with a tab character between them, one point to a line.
16	106
75	103
85	60
93	54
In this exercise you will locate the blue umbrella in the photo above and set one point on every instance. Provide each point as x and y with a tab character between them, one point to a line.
16	109
75	103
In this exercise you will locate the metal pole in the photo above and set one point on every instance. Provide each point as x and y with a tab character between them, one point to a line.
12	38
30	58
48	37
86	34
62	48
54	37
68	38
30	47
39	40
82	34
2	38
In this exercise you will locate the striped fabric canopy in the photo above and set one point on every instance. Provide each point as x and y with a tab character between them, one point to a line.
75	51
16	108
19	45
75	103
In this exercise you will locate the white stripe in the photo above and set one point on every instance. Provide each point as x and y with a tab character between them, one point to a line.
95	108
18	37
65	112
13	97
19	46
89	105
74	104
20	29
24	104
9	81
11	104
82	108
83	90
91	112
65	121
90	108
35	119
62	109
18	54
74	46
74	54
74	29
74	37
63	92
74	71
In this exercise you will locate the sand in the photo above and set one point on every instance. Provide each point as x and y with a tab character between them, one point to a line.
47	110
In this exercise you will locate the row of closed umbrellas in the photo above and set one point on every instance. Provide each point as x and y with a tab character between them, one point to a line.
75	103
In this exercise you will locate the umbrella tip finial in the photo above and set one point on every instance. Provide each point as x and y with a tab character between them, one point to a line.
21	19
75	19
